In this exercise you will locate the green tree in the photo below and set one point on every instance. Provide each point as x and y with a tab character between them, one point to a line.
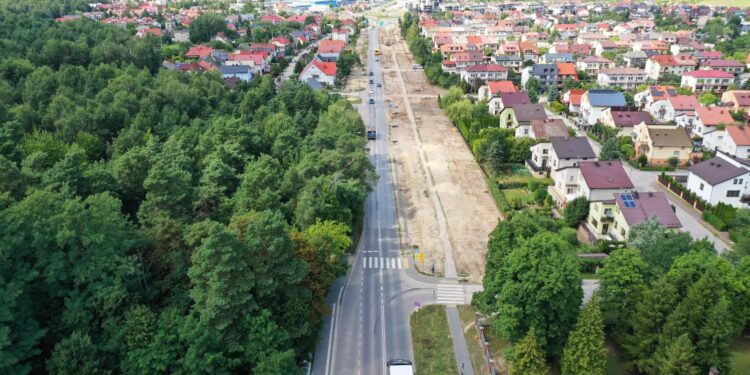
74	355
610	150
708	98
541	263
528	357
623	276
169	192
678	358
576	211
584	352
206	26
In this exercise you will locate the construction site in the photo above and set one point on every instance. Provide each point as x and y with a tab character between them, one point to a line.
446	211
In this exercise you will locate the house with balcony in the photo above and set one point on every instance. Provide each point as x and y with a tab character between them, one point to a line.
509	61
495	88
624	119
733	67
594	102
710	125
594	180
675	108
653	94
546	74
572	98
544	130
658	65
613	219
723	179
483	72
716	81
624	78
593	64
635	59
564	155
660	143
519	116
552	58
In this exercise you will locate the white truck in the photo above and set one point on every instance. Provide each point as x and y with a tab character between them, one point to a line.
400	367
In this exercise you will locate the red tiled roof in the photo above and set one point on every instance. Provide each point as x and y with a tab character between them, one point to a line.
199	51
575	96
605	175
712	116
739	134
331	46
328	68
718	63
710	73
567	69
684	102
501	86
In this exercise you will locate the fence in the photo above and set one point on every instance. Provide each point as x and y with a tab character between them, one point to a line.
485	347
674	185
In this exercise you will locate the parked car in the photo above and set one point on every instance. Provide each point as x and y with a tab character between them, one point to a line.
371	101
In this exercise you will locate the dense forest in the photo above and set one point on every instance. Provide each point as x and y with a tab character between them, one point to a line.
156	222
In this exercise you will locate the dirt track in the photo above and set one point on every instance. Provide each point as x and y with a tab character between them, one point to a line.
455	178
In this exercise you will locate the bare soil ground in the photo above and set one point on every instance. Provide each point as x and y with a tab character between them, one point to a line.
456	177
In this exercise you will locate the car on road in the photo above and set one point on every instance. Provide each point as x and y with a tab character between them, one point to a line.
379	85
400	367
371	91
371	101
371	82
372	74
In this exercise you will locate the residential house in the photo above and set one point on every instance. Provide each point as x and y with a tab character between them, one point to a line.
566	71
340	34
736	142
529	51
553	58
669	109
651	47
624	119
523	115
592	64
241	72
564	155
508	61
613	219
463	59
572	98
510	49
546	74
578	50
635	59
545	129
494	88
331	47
653	94
483	72
710	124
594	180
658	65
199	52
730	66
624	78
723	179
322	72
507	99
660	143
700	81
594	102
737	100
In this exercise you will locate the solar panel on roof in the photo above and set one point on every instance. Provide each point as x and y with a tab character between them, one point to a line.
627	200
671	92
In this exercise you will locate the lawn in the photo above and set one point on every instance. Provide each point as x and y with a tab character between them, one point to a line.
431	338
739	357
726	3
466	312
521	195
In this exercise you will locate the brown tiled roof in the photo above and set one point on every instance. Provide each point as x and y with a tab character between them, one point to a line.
605	175
572	148
552	127
647	205
716	170
676	137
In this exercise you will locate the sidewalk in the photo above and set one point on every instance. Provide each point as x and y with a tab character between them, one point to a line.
463	361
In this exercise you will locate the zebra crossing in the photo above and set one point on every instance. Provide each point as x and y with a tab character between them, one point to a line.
395	263
448	294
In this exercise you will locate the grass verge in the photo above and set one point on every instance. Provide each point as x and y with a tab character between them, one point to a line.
466	312
739	356
431	338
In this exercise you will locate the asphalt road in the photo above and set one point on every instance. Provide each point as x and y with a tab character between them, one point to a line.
370	321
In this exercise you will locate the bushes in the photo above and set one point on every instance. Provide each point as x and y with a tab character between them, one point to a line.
588	265
714	220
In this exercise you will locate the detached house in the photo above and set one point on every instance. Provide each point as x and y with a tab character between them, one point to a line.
710	124
658	65
701	81
736	142
572	98
507	99
653	94
321	72
484	72
733	67
738	100
594	180
612	219
624	78
674	107
594	102
723	179
565	153
662	143
593	64
624	119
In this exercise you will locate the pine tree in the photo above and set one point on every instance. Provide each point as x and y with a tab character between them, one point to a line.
584	352
528	358
678	358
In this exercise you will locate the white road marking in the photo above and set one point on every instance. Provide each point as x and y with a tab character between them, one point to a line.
398	260
450	294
